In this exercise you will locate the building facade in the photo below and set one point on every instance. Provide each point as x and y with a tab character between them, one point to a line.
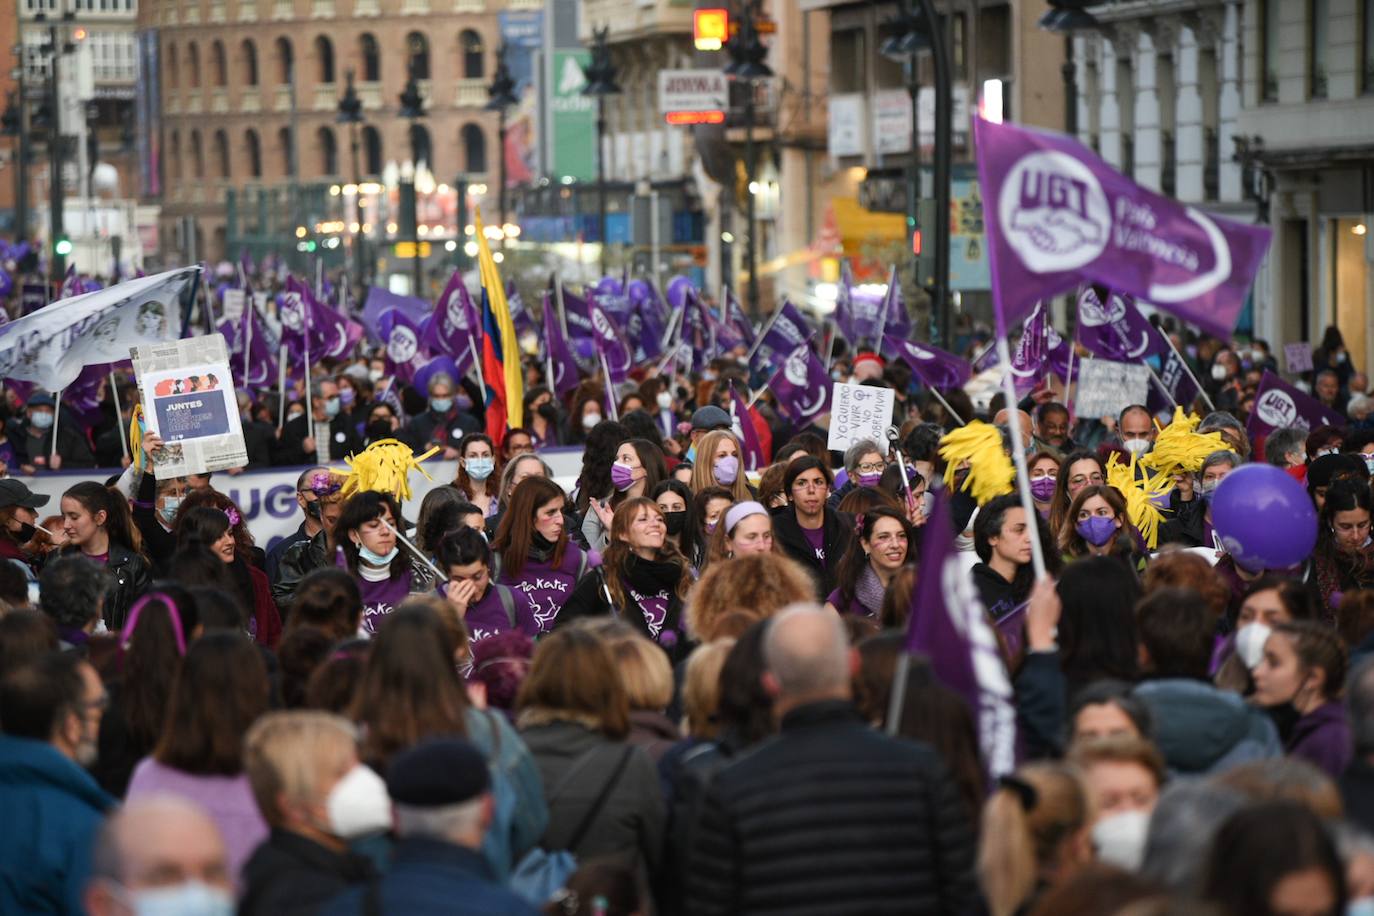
246	152
1306	133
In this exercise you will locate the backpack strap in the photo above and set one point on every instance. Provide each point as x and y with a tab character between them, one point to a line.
507	600
582	565
600	801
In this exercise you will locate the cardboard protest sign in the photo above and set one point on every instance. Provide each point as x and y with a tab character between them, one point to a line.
188	399
1298	357
1106	388
859	412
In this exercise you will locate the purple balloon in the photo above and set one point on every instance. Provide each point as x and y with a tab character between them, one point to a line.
1264	518
610	286
677	291
639	291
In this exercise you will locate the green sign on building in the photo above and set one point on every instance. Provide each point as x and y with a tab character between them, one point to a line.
574	118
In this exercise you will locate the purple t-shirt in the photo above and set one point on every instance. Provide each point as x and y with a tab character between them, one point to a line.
816	538
488	616
654	608
381	598
541	591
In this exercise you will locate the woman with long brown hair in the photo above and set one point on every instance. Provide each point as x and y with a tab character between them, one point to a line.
642	579
479	472
1097	525
639	466
98	525
534	557
214	530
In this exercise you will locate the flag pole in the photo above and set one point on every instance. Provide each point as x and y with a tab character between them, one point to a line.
763	332
119	415
610	389
897	698
281	387
247	335
415	550
935	392
1188	369
830	347
1018	455
1159	382
1068	382
477	366
887	306
56	414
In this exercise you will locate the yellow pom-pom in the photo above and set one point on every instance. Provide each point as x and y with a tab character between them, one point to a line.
384	466
990	471
136	436
1140	495
1178	447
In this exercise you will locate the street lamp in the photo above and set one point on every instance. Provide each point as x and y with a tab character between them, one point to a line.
908	40
412	109
500	96
351	113
601	82
14	126
1069	16
746	65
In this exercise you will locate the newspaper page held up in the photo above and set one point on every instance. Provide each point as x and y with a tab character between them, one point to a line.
188	400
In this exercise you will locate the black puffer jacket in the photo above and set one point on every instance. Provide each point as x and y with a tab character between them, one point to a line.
830	817
838	528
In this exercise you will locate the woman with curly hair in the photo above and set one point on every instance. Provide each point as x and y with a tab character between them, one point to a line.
642	579
759	585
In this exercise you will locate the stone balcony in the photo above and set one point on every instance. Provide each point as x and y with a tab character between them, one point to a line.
326	97
219	101
281	98
250	100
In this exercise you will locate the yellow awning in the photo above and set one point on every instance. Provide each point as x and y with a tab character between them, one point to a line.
857	225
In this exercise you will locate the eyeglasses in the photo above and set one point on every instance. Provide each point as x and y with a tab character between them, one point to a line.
809	485
1079	479
872	467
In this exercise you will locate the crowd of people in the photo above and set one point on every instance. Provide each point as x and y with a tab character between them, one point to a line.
669	687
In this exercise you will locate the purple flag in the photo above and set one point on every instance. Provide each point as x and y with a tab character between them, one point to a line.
441	364
6	283
519	315
844	307
1031	358
577	316
453	329
934	367
649	324
1174	374
736	319
801	385
81	399
1060	216
1115	330
748	436
949	626
333	334
261	364
780	338
694	333
560	358
404	354
611	347
1279	404
379	300
895	318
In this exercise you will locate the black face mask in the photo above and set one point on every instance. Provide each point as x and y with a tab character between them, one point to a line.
675	521
548	412
1285	717
25	533
379	429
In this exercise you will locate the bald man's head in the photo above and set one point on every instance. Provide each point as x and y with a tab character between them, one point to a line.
1003	418
807	654
153	843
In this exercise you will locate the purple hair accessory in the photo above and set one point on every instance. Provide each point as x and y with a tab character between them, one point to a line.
322	483
234	518
126	635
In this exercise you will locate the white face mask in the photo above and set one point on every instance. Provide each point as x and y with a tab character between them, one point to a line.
665	400
591	419
192	898
1218	372
1137	447
358	804
1250	640
1120	839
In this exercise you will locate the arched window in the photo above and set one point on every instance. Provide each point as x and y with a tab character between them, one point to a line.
372	150
173	76
417	56
219	64
176	155
254	145
250	62
372	57
284	145
474	148
222	153
324	56
193	65
421	149
329	151
470	45
286	61
197	156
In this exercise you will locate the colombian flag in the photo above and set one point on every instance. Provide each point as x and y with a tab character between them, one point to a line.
501	368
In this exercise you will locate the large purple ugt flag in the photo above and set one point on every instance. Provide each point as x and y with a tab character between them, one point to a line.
1279	404
949	626
1060	216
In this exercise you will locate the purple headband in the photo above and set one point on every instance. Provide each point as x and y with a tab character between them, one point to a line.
740	511
127	633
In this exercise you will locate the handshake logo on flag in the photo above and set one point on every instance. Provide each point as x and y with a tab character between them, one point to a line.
1053	212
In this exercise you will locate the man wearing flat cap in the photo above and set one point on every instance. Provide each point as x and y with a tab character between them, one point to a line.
441	805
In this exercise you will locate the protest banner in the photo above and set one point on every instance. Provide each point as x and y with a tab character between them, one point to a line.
188	400
1298	357
859	412
231	308
1279	404
1106	388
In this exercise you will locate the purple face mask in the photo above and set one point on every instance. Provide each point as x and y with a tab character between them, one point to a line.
870	480
726	469
1042	488
1097	530
622	476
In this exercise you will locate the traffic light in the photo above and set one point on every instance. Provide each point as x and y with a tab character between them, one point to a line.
710	29
62	247
920	247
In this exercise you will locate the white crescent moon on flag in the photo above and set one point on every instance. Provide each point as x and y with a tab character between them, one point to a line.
1209	281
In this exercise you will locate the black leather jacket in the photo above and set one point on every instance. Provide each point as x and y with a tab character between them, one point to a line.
131	579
